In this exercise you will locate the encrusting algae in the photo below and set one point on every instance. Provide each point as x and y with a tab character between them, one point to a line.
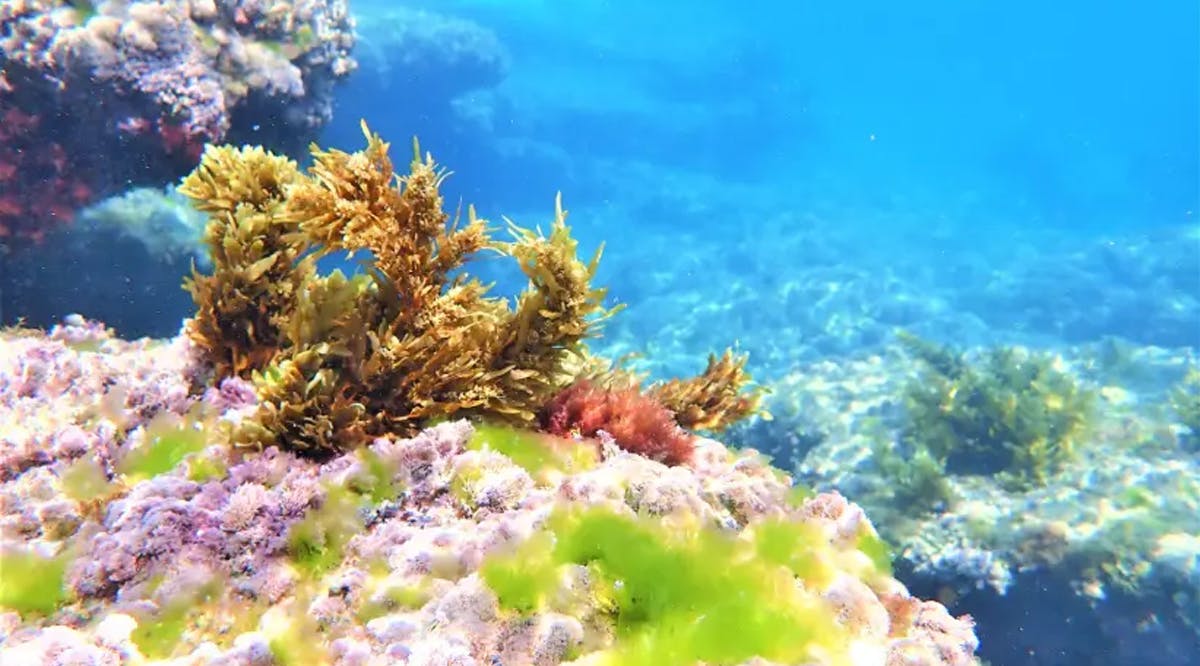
338	360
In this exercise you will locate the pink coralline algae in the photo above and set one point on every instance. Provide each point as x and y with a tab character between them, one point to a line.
170	524
59	400
113	94
238	556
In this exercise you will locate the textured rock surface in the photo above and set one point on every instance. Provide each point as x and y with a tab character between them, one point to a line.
206	555
129	92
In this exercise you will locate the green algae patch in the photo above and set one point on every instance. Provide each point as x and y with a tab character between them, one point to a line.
536	453
316	544
159	633
395	598
86	346
409	597
376	480
463	480
678	594
168	440
798	494
84	480
294	638
525	579
796	546
383	594
31	584
202	469
877	550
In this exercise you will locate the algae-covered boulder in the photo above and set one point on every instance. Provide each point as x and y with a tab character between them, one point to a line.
144	535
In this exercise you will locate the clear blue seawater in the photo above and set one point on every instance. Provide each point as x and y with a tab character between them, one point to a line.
929	148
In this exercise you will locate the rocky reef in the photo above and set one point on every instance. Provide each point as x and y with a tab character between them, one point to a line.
133	531
97	96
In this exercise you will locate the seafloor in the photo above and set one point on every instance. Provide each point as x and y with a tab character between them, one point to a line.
1101	564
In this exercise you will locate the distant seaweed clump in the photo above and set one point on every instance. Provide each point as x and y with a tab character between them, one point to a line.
1013	414
1185	400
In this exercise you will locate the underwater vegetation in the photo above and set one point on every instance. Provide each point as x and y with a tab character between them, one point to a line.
1011	413
666	587
1070	565
1185	400
338	360
627	415
653	421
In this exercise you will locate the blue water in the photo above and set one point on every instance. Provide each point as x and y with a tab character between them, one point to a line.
1082	116
729	156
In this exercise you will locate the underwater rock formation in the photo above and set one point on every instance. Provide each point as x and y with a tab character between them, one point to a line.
1137	286
109	94
157	236
138	532
440	55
